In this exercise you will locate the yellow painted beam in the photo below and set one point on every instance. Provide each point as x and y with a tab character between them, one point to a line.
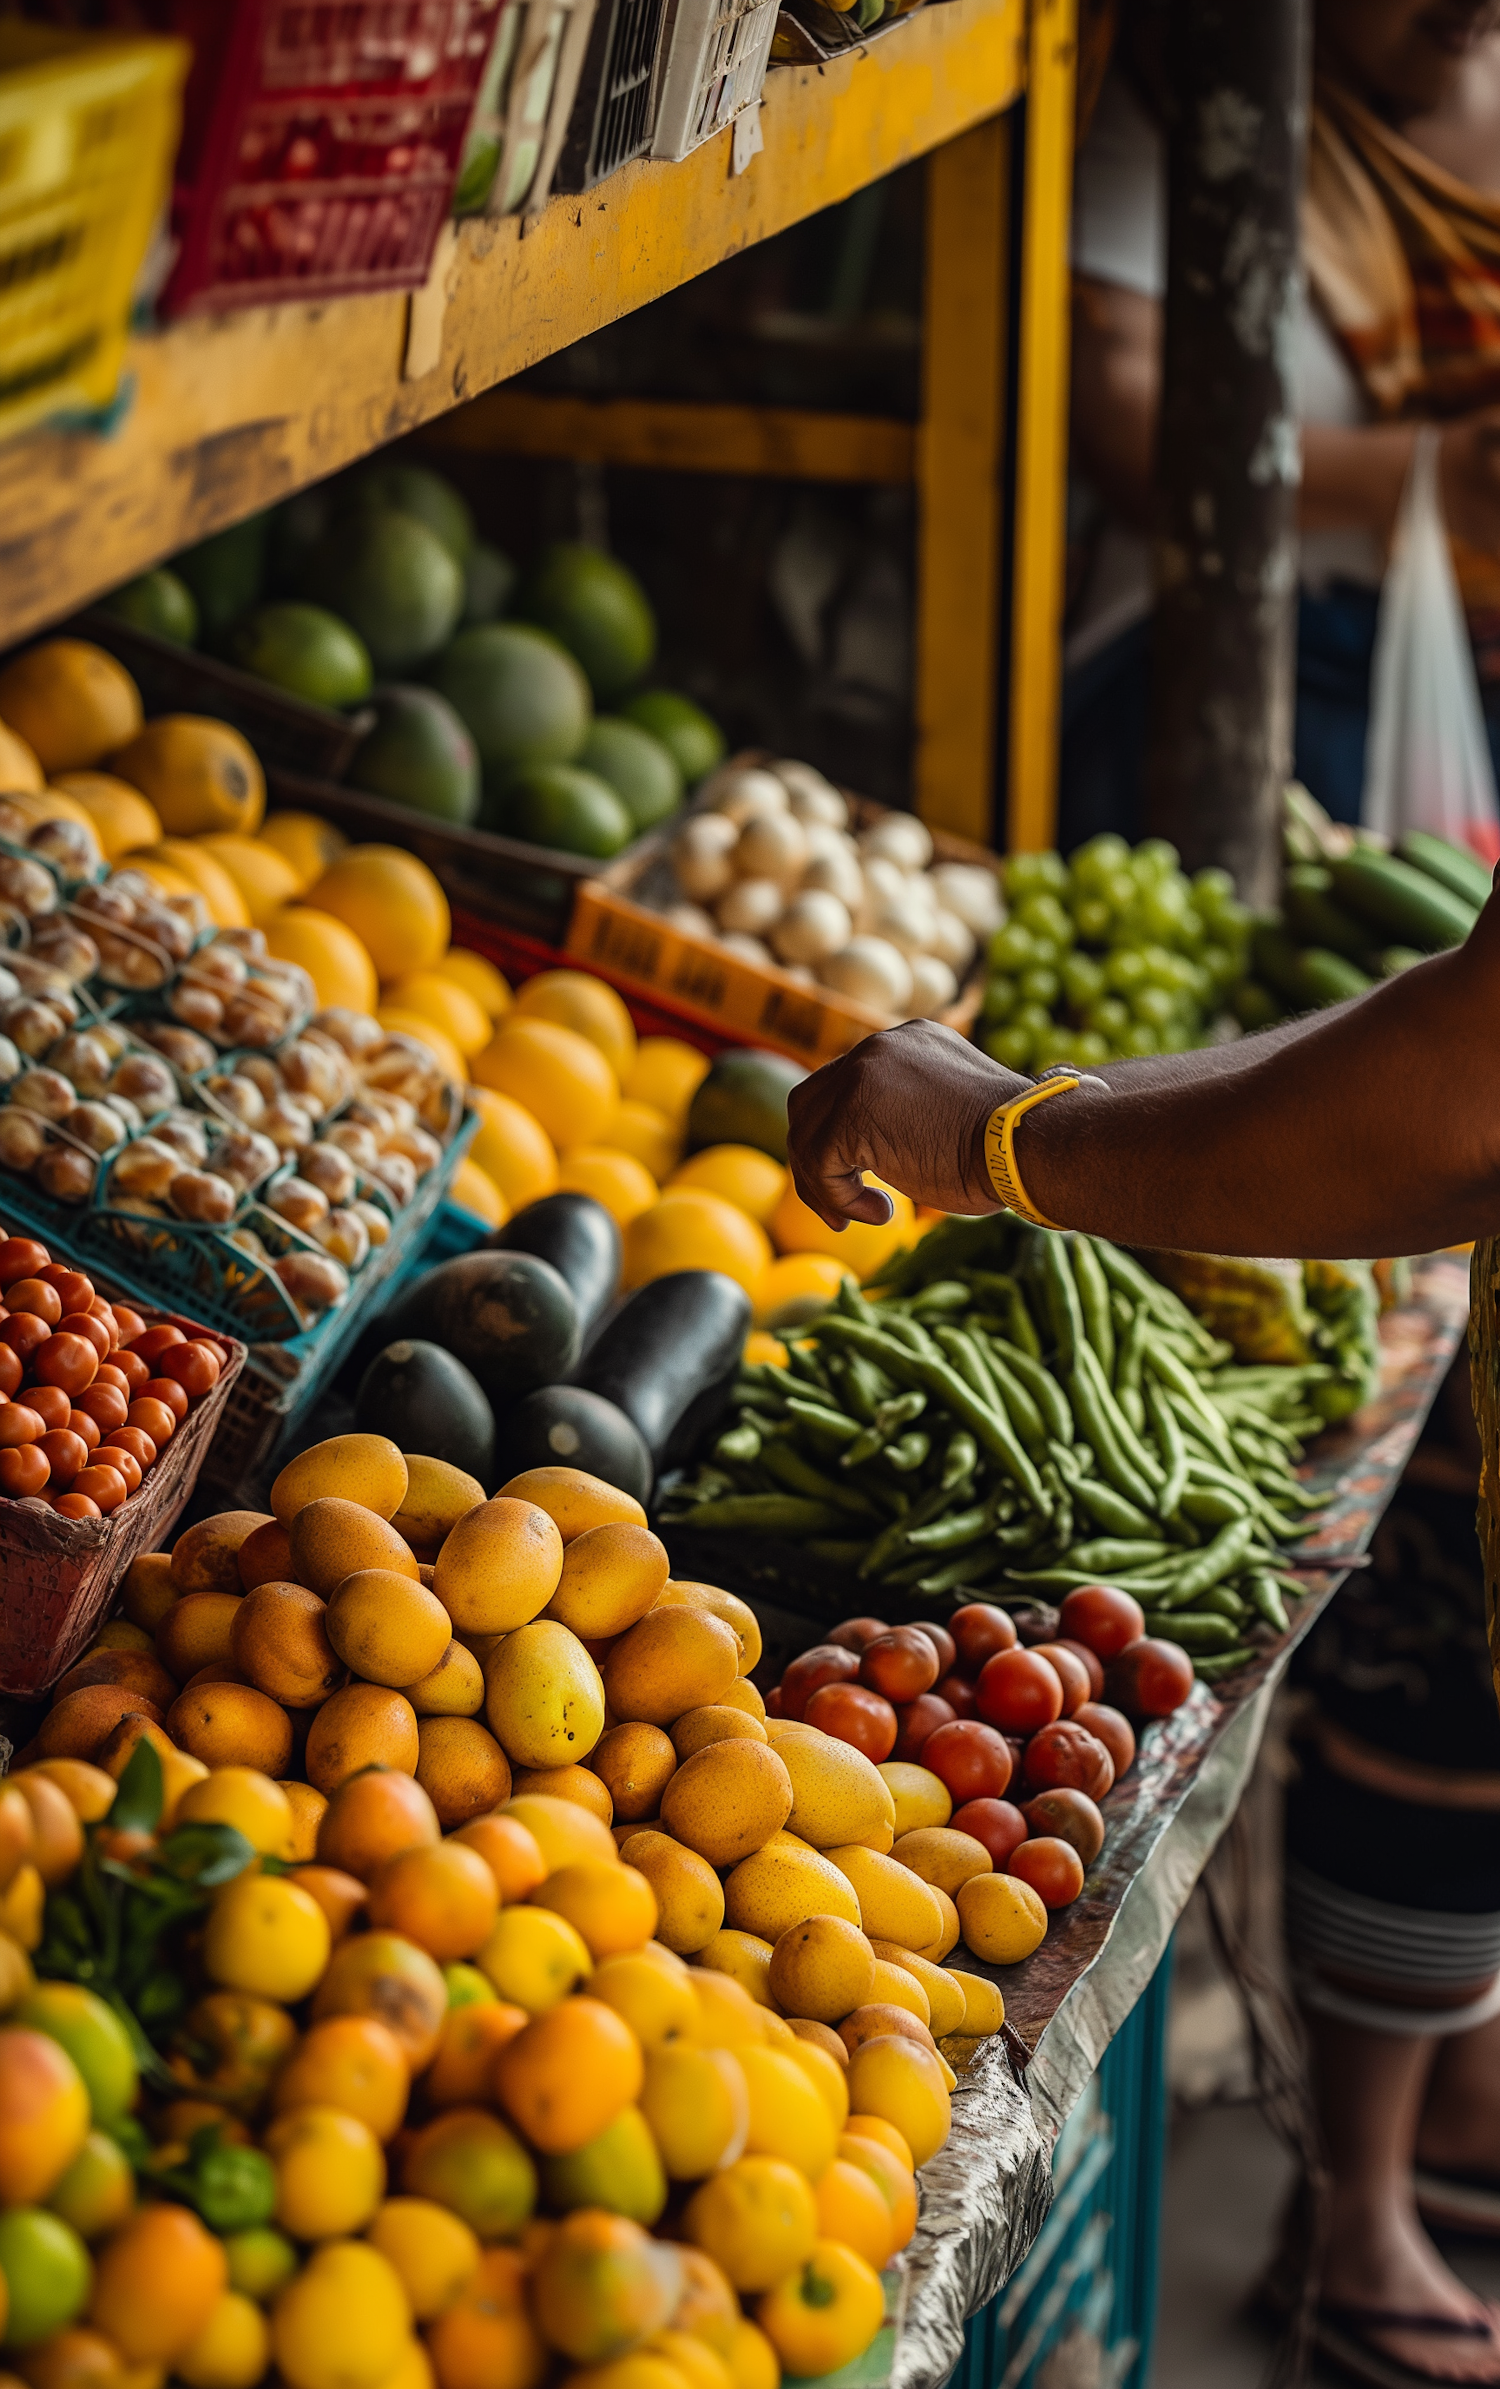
1042	429
675	436
234	411
960	449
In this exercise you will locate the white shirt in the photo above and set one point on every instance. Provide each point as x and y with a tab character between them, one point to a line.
1120	236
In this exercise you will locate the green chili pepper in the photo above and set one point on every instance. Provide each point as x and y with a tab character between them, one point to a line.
1093	1301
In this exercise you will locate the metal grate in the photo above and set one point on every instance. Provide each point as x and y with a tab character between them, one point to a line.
614	114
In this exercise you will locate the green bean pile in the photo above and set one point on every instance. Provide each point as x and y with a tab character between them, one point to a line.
1013	1412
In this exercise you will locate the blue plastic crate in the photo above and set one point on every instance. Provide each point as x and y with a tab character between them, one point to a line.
1093	2272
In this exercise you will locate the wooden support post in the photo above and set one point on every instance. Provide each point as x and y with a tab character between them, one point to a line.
1040	548
960	446
1229	460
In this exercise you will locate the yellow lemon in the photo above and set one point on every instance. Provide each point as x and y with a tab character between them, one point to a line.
231	2351
757	2219
1003	1919
341	2322
392	902
622	1184
796	1229
739	1173
246	1799
796	1287
577	1001
445	1053
264	878
826	2313
206	875
122	818
477	975
562	1079
473	1189
647	1134
693	1230
19	768
198	773
513	1148
432	2249
306	841
666	1074
267	1936
534	1958
447	1005
329	952
330	2172
70	702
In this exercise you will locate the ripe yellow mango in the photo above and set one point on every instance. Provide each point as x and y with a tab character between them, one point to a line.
543	1698
727	1800
895	1905
784	1883
838	1795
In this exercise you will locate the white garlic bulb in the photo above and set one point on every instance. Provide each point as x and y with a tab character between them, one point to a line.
972	892
772	846
885	883
812	798
742	791
814	925
871	971
751	906
837	871
902	838
691	919
952	941
749	949
703	855
904	924
933	986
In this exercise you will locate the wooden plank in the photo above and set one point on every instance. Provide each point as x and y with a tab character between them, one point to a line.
1042	430
960	448
673	436
234	411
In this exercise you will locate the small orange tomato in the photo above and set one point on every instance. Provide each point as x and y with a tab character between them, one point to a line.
50	1403
106	1406
128	1323
156	1339
140	1447
167	1390
105	1486
69	1361
65	1454
21	1257
124	1463
153	1419
196	1367
132	1368
83	1323
23	1469
75	1505
33	1294
19	1423
75	1291
83	1425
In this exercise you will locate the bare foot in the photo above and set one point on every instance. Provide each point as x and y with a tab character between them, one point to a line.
1380	2257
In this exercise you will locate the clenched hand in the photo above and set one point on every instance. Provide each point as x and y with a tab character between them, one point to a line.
909	1105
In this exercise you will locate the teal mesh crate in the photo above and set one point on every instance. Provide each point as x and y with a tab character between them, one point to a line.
1083	2305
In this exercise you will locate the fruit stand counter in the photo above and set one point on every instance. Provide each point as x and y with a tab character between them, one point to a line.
986	2194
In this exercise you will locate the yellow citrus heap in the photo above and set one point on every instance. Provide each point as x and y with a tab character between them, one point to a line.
545	1925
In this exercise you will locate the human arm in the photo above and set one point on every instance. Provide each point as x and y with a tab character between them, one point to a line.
1373	1128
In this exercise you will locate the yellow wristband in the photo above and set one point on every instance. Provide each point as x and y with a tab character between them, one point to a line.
1000	1147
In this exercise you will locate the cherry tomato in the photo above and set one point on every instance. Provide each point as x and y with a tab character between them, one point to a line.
93	1331
1150	1678
140	1447
970	1758
979	1630
12	1370
1019	1692
1103	1617
196	1367
128	1323
1090	1661
74	1290
21	1257
1070	1816
856	1632
106	1406
83	1425
23	1469
899	1665
50	1403
999	1824
915	1720
76	1505
1112	1729
130	1367
168	1392
104	1312
958	1692
124	1463
941	1641
855	1715
65	1454
33	1294
69	1361
105	1486
1071	1673
825	1663
1052	1867
24	1332
153	1419
1067	1753
19	1424
152	1340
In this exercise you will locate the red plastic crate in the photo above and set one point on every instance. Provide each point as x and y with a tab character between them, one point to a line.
321	143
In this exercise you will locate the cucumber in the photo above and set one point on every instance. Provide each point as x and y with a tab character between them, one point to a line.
1402	900
1278	965
1316	919
1331	978
1453	867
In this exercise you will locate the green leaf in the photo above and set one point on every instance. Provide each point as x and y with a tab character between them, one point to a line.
137	1805
206	1855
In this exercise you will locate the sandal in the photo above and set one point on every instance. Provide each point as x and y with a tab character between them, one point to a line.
1343	2334
1458	2201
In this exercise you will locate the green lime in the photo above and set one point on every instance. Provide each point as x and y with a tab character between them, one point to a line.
467	1987
489	583
619	2171
260	2261
305	650
556	804
395	486
691	737
520	693
419	754
393	580
599	611
226	573
47	2270
98	2190
639	768
159	602
94	2038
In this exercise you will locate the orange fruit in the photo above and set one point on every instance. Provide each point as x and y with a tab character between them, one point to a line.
71	703
384	1975
365	1725
569	2074
329	951
330	2174
444	1899
578	1001
461	1767
305	840
499	1567
307	1806
44	2114
434	997
156	2283
387	1629
622	1184
510	1852
573	1500
561	1078
462	2073
578	1784
895	2181
852	2208
267	1936
666	1074
612	1906
742	1174
372	1817
393	904
435	2252
340	1896
354	2063
486	2339
232	1725
278	1638
860	1248
479	977
198	773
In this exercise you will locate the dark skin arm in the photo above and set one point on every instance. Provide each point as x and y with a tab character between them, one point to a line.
1372	1128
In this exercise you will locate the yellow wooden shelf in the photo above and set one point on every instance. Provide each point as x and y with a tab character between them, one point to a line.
232	412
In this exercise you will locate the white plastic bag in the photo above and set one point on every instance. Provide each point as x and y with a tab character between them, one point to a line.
1427	756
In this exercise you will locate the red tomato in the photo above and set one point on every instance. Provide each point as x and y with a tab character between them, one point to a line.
196	1367
980	1630
999	1824
1089	1661
140	1447
167	1391
852	1714
915	1720
105	1486
49	1402
1070	1672
1114	1731
104	1312
21	1257
65	1453
128	1323
83	1425
1052	1867
19	1424
76	1505
825	1663
12	1370
900	1664
24	1332
941	1641
92	1330
1066	1753
69	1361
74	1290
33	1294
1150	1678
958	1692
153	1419
1019	1692
1070	1816
24	1469
124	1463
153	1340
856	1632
970	1759
1103	1617
773	1702
131	1368
106	1406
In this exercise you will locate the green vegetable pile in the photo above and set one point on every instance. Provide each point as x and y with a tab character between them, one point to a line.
1112	954
1012	1412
